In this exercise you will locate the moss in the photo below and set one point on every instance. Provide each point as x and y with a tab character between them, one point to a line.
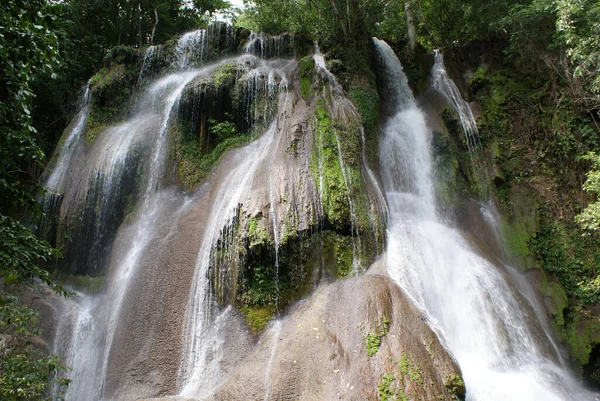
112	89
225	75
89	284
306	68
387	391
559	302
91	134
258	318
257	231
409	369
515	238
193	166
581	335
338	253
366	101
327	171
122	54
562	250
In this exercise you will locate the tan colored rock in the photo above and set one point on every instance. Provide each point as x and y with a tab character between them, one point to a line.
319	352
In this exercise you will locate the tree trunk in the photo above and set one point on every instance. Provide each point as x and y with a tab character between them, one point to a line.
154	27
339	17
410	21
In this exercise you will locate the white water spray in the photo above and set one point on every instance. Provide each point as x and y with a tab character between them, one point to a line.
493	334
447	87
200	368
55	180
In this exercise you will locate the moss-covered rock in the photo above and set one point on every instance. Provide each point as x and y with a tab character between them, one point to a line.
257	318
112	89
306	68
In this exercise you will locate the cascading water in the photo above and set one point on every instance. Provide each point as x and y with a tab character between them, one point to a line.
267	46
55	180
447	87
487	324
200	366
89	343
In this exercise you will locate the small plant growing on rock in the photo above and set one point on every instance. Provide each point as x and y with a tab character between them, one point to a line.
374	336
455	386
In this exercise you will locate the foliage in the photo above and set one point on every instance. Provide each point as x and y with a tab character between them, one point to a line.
408	368
455	386
589	218
327	171
257	232
306	67
578	24
366	100
572	257
385	389
374	337
222	130
531	28
226	75
25	373
195	167
27	48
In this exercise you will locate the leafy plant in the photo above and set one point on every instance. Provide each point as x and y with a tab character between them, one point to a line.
374	336
589	218
455	386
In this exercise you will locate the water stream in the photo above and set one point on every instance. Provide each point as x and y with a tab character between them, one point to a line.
445	85
485	321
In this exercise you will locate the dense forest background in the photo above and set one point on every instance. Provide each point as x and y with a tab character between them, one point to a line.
538	84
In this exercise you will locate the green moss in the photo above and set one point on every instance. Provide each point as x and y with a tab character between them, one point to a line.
112	89
387	391
193	166
557	301
366	101
91	285
257	231
338	253
572	257
259	286
101	79
327	171
225	75
258	318
306	68
92	132
515	238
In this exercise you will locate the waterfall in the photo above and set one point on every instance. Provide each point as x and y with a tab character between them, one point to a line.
486	322
199	371
199	368
55	180
126	158
447	87
268	46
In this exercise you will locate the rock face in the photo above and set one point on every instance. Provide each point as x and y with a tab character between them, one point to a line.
356	339
321	350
